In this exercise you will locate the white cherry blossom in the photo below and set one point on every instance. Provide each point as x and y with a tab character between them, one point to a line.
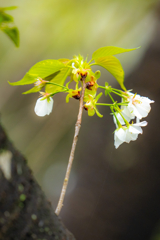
127	134
138	106
43	106
128	117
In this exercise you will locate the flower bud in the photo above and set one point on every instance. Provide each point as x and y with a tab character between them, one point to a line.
97	74
90	84
77	96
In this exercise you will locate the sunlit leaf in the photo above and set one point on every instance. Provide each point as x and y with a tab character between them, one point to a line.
50	77
46	67
12	33
59	79
8	8
113	65
4	17
27	79
64	60
109	51
33	90
41	69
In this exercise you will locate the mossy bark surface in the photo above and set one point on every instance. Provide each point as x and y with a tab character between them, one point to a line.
25	212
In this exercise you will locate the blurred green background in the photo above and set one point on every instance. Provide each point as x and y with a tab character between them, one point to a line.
60	29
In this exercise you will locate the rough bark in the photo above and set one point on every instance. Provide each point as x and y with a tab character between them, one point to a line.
25	212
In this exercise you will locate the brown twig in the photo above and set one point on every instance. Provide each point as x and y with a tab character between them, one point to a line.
71	157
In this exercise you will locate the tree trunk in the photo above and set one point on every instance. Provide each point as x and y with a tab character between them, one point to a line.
25	212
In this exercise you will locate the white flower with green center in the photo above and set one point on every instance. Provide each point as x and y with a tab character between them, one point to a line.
127	134
138	106
43	106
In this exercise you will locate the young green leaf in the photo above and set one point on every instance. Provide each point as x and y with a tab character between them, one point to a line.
46	67
27	79
64	60
50	77
33	90
8	8
5	18
109	51
41	69
113	65
59	79
12	33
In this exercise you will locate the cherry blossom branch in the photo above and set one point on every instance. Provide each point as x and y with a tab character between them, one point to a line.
71	157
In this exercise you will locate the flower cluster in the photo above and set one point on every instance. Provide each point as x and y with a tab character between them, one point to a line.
137	107
51	75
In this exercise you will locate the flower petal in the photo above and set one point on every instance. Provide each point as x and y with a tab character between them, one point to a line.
120	134
131	136
117	141
120	119
133	110
146	99
135	129
127	112
141	124
138	106
43	106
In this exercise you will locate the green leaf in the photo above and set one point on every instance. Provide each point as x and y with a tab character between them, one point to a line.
12	33
59	79
113	65
46	68
64	60
27	79
8	8
33	90
41	69
109	51
5	18
50	77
